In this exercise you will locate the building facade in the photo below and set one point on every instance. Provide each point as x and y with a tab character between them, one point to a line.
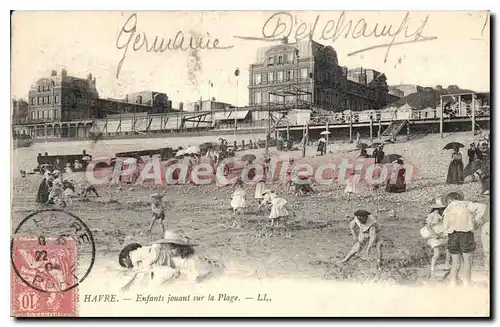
206	105
307	73
407	88
61	98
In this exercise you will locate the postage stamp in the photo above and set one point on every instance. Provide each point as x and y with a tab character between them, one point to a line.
43	276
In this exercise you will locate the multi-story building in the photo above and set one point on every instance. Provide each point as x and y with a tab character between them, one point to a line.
61	98
408	88
307	73
206	105
396	92
146	101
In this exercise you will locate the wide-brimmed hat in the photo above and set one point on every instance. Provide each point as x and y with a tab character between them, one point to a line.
438	204
125	252
174	238
459	194
362	213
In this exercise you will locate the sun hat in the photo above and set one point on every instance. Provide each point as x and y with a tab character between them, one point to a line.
174	238
362	213
438	204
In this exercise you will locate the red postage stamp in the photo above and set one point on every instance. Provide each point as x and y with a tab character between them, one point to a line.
44	282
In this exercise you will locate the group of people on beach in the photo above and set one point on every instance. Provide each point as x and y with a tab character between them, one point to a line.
478	164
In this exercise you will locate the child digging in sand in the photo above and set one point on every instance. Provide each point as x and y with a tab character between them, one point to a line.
368	229
158	211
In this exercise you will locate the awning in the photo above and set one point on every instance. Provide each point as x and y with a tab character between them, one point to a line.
230	115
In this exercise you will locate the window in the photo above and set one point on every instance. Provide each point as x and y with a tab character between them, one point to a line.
280	76
43	114
39	88
33	101
38	100
290	75
270	61
33	115
56	99
270	76
280	60
139	99
289	58
258	98
303	73
257	79
48	99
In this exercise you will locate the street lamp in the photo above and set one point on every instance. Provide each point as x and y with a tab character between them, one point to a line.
297	79
236	73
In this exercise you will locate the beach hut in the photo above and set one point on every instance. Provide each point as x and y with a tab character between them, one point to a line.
404	112
388	114
428	113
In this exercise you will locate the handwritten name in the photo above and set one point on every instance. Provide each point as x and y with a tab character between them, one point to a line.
282	24
130	37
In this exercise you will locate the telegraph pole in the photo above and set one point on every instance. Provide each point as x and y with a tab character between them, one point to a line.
236	73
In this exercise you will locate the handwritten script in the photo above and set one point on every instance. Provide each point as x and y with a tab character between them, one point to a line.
283	24
130	37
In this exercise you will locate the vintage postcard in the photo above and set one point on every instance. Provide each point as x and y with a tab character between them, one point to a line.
250	164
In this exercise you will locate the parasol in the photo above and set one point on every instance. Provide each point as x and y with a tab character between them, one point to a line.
453	145
180	153
192	150
325	133
248	157
361	146
389	158
376	144
471	168
322	140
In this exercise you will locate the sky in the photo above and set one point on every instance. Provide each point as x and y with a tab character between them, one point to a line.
456	49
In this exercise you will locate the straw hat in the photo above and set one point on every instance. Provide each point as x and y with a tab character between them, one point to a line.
174	238
362	213
438	204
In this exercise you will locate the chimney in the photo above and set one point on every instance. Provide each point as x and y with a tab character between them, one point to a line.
64	72
181	106
89	76
53	73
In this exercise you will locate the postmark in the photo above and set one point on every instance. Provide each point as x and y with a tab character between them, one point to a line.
52	252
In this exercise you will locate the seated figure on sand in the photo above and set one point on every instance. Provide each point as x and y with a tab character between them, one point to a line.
165	260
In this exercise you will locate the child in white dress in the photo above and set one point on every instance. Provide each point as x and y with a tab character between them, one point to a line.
350	186
433	232
238	201
278	206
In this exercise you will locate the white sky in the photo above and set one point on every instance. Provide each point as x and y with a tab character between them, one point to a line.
84	42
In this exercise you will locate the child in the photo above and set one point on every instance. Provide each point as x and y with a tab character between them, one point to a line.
278	206
238	201
158	211
350	186
368	229
434	233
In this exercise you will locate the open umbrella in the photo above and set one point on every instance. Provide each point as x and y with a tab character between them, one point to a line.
180	153
388	158
248	157
192	150
375	144
325	133
361	146
471	168
453	145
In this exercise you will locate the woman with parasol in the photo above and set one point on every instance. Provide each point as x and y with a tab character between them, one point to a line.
321	146
456	168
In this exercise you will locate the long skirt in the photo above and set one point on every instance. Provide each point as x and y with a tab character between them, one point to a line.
238	202
259	188
42	195
455	172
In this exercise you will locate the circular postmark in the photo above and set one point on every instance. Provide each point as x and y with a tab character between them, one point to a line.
50	251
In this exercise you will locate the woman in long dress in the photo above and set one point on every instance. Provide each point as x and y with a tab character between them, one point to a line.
456	168
42	195
396	183
261	185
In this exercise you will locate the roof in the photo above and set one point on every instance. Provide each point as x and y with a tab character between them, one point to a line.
242	114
